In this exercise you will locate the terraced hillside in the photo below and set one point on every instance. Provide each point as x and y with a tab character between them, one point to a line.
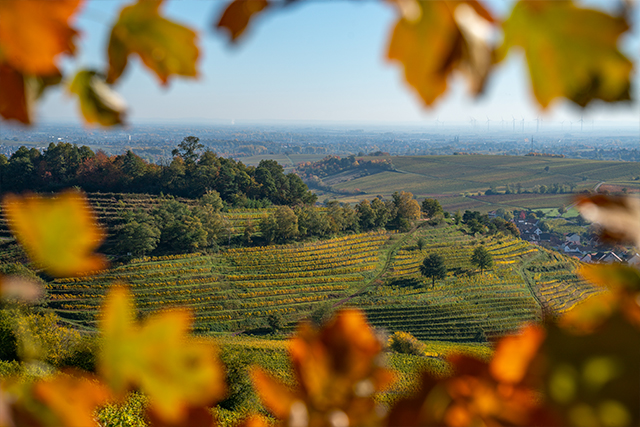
238	289
466	306
109	206
557	289
234	290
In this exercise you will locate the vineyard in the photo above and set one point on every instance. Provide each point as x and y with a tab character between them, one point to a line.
238	289
468	306
234	290
110	206
557	289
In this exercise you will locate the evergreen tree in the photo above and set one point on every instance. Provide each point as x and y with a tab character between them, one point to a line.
482	258
433	267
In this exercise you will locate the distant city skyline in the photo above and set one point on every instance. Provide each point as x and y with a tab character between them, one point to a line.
321	62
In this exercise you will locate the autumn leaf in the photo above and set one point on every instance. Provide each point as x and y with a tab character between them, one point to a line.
571	51
621	293
432	39
175	371
163	46
65	399
337	371
501	392
238	14
58	233
193	416
98	102
33	33
514	355
18	92
619	216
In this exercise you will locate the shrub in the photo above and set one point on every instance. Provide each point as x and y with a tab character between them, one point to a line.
404	342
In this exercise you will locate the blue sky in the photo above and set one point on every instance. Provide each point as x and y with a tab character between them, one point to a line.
321	61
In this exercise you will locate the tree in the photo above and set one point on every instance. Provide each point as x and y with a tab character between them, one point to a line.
137	235
431	207
457	217
421	243
433	267
482	258
189	150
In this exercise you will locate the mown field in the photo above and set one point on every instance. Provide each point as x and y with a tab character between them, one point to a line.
237	289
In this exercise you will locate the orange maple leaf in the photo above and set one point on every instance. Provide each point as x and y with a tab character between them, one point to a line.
337	371
33	33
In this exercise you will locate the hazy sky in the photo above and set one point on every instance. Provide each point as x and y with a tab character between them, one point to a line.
317	61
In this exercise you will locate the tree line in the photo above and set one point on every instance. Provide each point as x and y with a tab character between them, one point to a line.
175	227
191	173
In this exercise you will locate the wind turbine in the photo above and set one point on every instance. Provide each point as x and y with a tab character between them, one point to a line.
581	121
538	120
514	123
488	122
523	124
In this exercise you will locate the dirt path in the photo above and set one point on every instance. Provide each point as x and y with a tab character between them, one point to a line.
527	281
392	251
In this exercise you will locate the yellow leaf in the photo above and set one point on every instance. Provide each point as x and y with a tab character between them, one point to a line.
58	233
175	371
33	33
571	52
163	46
98	103
237	16
434	38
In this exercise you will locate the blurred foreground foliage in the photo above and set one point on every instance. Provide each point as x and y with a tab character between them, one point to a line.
571	51
581	369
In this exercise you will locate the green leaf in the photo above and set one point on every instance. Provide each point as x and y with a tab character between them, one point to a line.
165	47
98	103
571	52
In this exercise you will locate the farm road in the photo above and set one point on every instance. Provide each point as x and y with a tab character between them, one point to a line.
385	267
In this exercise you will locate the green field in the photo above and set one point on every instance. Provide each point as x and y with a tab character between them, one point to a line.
451	178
